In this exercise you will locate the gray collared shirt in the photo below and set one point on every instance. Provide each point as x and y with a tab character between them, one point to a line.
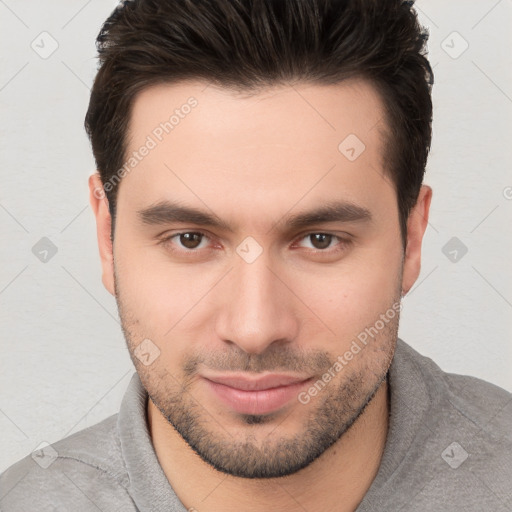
449	448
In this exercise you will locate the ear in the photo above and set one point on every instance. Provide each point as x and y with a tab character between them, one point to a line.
99	205
416	226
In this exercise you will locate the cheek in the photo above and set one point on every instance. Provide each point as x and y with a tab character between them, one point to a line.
155	306
145	288
162	296
356	292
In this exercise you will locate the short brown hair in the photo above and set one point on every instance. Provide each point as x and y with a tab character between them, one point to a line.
252	44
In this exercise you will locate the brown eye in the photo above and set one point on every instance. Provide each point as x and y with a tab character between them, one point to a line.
324	243
190	240
320	240
187	244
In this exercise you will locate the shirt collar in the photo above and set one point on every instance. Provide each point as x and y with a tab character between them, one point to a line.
148	487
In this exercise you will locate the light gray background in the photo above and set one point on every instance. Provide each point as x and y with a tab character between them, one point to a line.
64	365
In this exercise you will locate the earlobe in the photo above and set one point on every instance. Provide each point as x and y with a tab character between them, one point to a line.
99	205
416	226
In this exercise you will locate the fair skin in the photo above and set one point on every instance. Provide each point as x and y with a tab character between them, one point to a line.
254	162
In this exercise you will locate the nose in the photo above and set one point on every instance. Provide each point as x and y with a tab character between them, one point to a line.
258	308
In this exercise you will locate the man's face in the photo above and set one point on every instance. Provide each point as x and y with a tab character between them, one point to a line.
258	295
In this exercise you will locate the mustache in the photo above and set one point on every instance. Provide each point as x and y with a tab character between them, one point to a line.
274	358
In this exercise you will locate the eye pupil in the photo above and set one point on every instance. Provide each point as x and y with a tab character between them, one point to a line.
187	239
323	238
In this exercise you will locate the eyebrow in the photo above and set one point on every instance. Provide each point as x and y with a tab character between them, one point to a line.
167	212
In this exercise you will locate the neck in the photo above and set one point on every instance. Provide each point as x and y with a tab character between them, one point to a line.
335	482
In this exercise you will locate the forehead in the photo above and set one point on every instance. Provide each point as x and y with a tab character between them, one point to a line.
307	111
210	143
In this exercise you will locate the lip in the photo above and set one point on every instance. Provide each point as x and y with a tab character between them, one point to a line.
255	395
257	383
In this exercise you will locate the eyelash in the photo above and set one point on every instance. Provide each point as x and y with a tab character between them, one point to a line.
342	245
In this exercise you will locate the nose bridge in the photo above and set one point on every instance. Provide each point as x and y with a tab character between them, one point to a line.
255	285
256	312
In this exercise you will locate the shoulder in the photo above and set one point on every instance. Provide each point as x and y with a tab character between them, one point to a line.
84	470
484	402
452	447
485	405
